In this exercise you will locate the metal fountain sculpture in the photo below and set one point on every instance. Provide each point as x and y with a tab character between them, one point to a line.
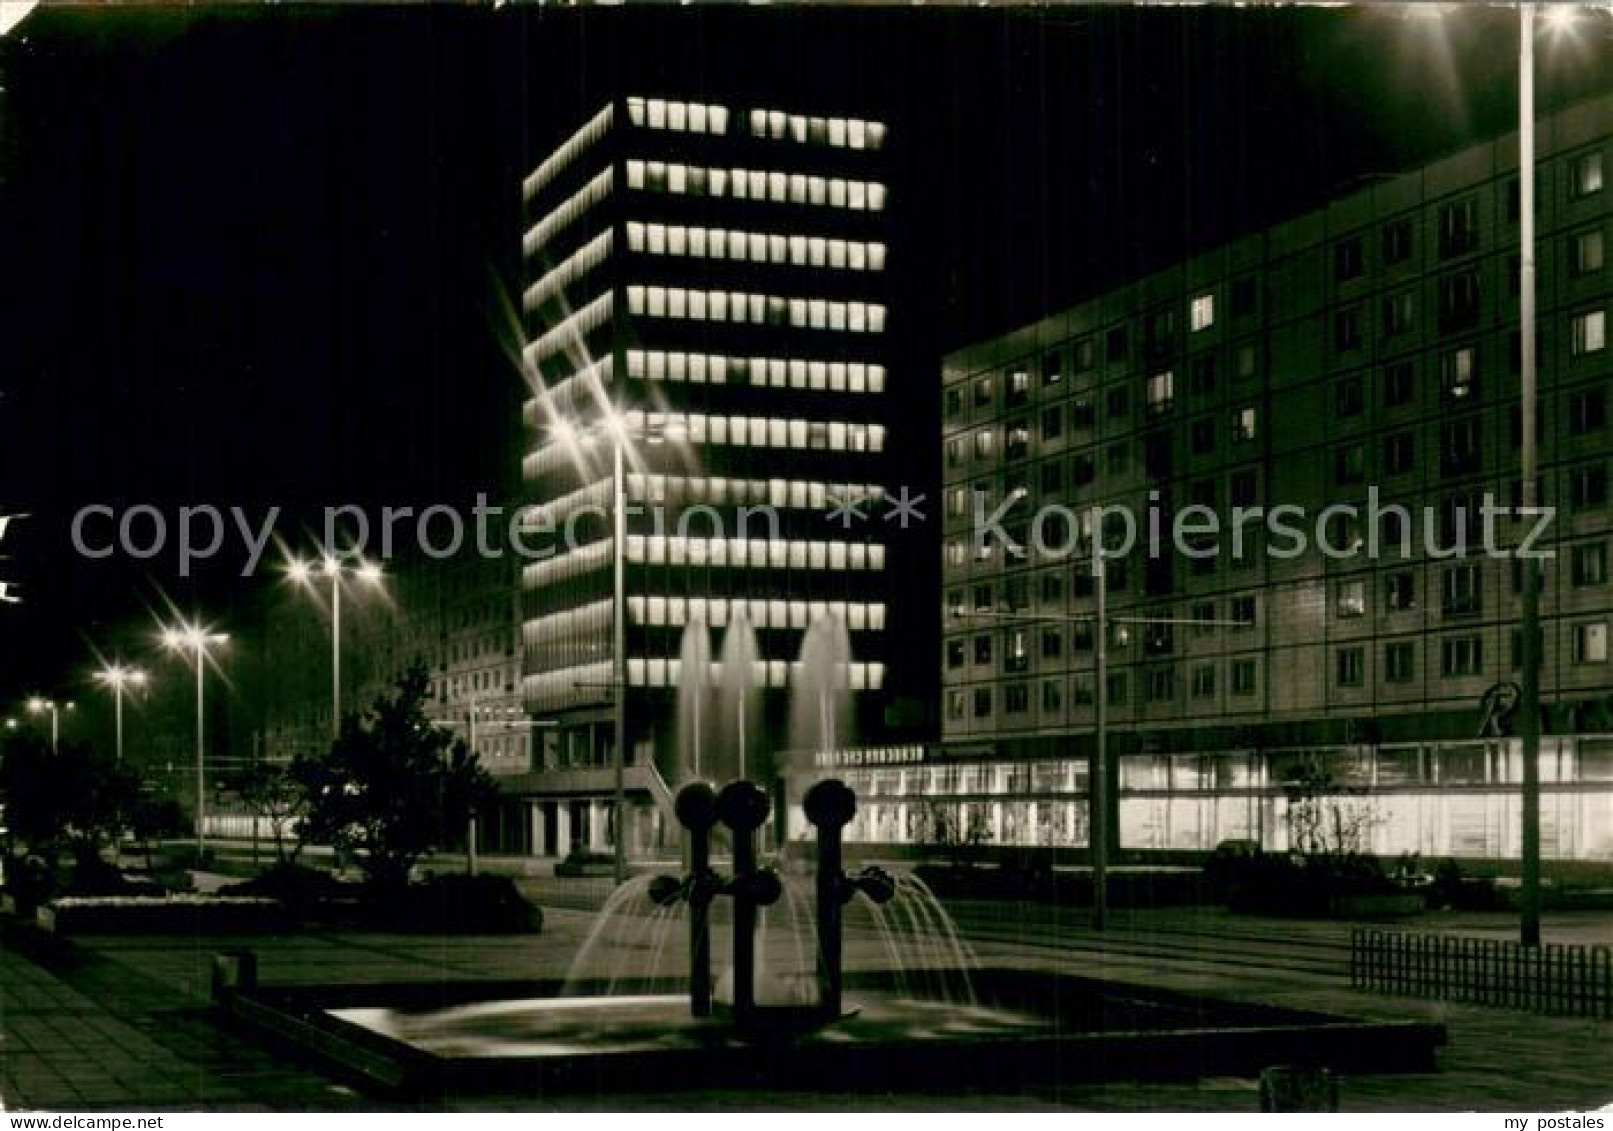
743	807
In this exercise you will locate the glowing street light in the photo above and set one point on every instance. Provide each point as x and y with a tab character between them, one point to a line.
117	677
1559	20
39	706
302	572
621	432
195	640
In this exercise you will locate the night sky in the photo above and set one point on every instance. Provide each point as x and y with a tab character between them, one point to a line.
261	257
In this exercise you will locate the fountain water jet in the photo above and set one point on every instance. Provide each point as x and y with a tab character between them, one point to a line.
739	707
694	699
820	705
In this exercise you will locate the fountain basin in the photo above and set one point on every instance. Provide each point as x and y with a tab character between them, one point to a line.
1030	1030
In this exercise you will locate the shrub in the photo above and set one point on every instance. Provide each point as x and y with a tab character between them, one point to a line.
30	883
298	888
583	862
463	904
1290	884
94	876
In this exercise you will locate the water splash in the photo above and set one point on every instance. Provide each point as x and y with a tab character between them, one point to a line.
738	704
635	945
820	692
694	702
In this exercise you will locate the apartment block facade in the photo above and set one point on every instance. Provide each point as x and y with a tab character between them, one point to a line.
1364	357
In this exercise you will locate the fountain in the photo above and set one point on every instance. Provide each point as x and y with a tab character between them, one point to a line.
738	705
913	1023
743	807
820	704
694	699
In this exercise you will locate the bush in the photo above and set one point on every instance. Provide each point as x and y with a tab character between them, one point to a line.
299	889
582	862
1290	884
463	904
94	876
30	883
1450	889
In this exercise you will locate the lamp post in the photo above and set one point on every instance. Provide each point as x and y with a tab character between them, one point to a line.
195	640
39	706
472	734
1559	17
117	677
1101	791
333	567
621	432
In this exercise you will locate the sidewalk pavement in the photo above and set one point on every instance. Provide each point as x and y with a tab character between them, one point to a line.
121	1022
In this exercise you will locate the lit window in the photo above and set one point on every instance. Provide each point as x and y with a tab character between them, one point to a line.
1589	332
1161	388
1590	643
1457	371
1243	425
1586	175
1352	599
1201	314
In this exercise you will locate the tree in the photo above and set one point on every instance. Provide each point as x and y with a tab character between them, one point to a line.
274	795
35	794
394	785
69	795
100	801
958	832
154	818
1327	819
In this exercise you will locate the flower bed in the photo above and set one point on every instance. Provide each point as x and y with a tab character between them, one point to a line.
119	914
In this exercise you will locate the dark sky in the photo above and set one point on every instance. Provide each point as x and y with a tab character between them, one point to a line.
260	257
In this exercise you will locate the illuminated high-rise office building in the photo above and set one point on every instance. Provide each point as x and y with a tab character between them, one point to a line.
704	295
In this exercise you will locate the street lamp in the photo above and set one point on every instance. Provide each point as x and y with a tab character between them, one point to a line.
302	573
1558	19
194	640
473	711
1101	787
621	431
38	706
117	677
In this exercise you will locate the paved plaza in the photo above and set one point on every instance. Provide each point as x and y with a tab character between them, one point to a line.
121	1022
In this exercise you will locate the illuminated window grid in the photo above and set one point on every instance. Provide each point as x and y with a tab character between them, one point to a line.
684	117
755	309
652	611
844	133
773	248
571	332
581	389
761	372
686	490
587	135
585	682
587	257
572	209
771	186
733	431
